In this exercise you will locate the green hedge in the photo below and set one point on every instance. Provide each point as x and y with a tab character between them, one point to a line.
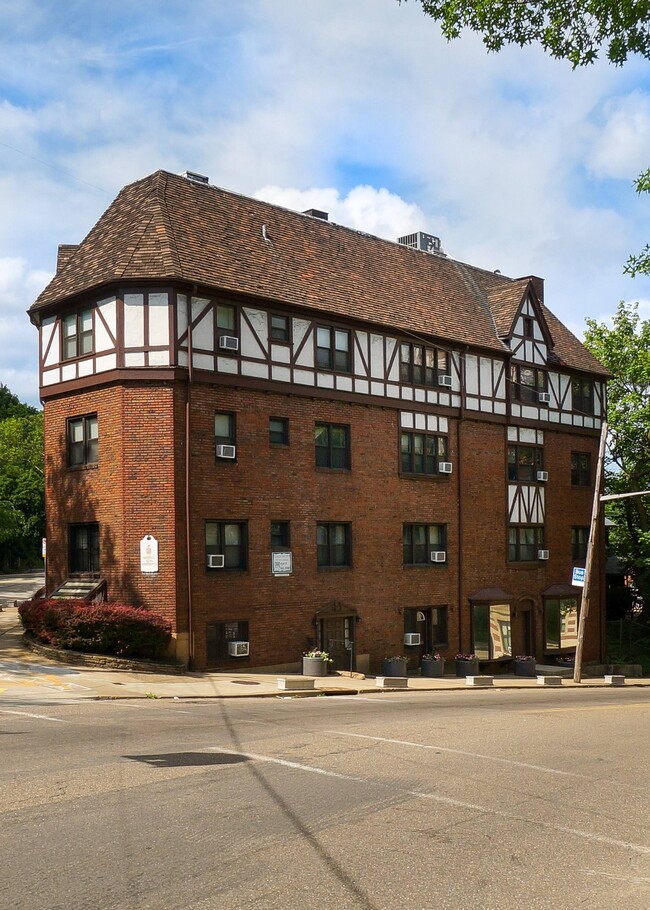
101	628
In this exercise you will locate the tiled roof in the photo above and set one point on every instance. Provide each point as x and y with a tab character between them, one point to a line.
166	227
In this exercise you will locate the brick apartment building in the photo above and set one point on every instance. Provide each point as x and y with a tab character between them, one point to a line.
276	430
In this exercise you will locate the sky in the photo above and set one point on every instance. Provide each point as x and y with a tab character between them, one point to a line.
357	107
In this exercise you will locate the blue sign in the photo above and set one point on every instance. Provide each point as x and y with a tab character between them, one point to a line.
578	579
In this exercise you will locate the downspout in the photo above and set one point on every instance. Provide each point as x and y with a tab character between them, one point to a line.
461	417
188	536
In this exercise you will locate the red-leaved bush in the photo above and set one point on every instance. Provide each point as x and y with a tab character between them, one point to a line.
102	628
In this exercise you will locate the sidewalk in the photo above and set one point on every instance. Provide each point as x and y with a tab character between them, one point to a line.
26	674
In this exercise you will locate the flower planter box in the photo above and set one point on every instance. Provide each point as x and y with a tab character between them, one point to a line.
314	666
525	668
394	668
466	667
433	669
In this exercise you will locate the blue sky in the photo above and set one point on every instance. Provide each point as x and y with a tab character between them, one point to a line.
358	107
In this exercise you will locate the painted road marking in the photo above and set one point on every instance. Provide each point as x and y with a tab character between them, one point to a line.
36	716
583	708
433	748
444	800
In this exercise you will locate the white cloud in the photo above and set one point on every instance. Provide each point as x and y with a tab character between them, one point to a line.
622	148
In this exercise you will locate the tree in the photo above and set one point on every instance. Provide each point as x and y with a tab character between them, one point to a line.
22	485
12	406
640	265
625	350
573	30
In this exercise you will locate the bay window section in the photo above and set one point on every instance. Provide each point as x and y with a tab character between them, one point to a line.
561	623
491	631
77	334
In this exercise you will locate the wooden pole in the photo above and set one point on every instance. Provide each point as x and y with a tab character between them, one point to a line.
593	528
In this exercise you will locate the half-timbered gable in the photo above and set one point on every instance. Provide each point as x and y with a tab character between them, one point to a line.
303	415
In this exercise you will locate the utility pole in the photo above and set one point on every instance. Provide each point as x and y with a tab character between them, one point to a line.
595	512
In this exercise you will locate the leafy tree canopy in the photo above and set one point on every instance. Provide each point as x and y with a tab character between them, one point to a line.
625	350
12	406
573	30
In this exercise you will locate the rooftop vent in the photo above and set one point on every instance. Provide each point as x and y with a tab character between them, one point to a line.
426	243
316	213
196	178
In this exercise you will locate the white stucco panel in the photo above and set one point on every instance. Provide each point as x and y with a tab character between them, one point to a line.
301	327
203	329
106	362
133	321
159	318
50	331
377	363
254	336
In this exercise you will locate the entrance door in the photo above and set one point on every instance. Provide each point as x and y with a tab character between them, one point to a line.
337	638
523	629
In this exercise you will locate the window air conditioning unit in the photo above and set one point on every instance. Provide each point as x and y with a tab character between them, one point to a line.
542	475
445	380
228	343
544	397
438	556
226	451
412	638
542	554
216	561
238	648
445	467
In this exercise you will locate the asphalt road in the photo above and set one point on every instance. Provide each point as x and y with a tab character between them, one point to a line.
467	800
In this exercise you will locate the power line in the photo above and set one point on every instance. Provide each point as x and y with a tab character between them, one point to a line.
53	167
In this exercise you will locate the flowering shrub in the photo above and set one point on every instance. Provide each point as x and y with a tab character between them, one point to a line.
524	657
466	657
101	628
435	656
396	657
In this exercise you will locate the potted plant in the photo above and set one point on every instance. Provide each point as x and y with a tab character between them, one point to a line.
525	665
466	665
433	665
316	663
567	662
394	666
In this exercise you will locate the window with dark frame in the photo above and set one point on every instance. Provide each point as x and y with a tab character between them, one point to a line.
280	328
560	623
332	443
228	539
280	535
582	395
528	326
420	541
491	630
333	545
527	382
225	432
579	541
422	365
83	549
523	542
225	317
279	431
422	453
77	334
83	440
333	349
219	634
580	469
524	462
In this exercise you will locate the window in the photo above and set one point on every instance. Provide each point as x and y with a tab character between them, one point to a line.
580	469
82	440
528	326
332	349
524	542
579	540
420	365
332	446
280	538
582	395
280	329
217	636
491	631
227	539
83	540
527	383
333	545
225	317
523	463
422	454
560	623
279	431
77	334
419	541
224	436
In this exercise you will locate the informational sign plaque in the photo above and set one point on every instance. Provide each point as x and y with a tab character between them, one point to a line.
281	563
148	555
578	578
